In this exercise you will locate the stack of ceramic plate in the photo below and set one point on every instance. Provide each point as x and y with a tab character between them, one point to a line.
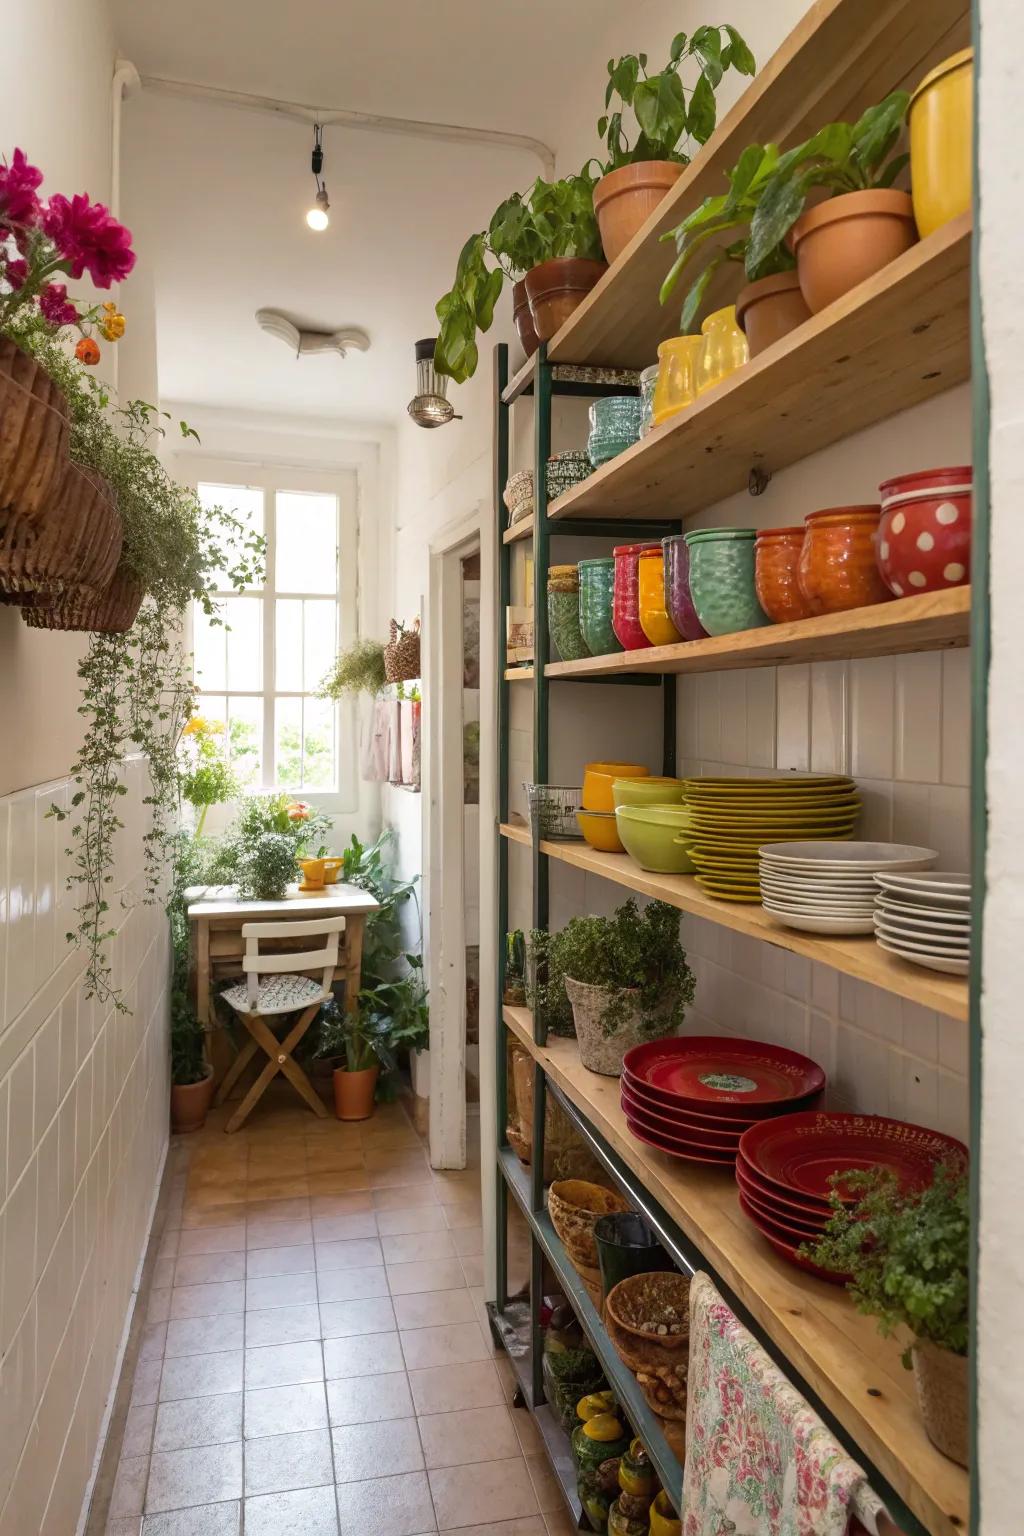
694	1096
925	918
731	818
830	887
785	1165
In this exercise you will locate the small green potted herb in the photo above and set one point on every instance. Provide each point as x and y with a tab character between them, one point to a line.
359	1044
906	1252
611	981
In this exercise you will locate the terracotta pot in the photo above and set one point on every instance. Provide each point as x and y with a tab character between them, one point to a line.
847	239
776	574
941	1381
556	288
924	538
76	540
625	199
523	320
33	433
353	1092
110	610
190	1104
838	567
769	309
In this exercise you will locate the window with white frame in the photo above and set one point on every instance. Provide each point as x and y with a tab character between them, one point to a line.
257	670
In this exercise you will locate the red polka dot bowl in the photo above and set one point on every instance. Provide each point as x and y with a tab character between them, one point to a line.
924	538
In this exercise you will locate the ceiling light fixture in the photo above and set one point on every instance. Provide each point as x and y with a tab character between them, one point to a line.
429	407
317	218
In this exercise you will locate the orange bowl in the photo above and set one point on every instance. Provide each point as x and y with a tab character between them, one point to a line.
598	779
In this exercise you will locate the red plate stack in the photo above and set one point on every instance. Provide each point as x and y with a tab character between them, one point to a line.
784	1166
694	1096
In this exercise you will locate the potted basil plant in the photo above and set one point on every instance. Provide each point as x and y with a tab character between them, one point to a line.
191	1075
611	981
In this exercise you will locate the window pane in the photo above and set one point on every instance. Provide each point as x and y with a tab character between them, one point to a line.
210	652
244	502
306	541
288	743
288	644
318	770
244	618
245	739
321	642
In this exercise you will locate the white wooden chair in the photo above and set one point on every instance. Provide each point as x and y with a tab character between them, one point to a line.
274	985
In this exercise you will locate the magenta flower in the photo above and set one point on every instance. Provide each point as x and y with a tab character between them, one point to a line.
55	307
89	239
16	272
18	183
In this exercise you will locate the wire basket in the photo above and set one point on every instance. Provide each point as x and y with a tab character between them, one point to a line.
553	810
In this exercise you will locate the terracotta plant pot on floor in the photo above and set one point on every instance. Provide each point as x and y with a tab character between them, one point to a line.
847	239
941	1381
556	288
353	1092
522	318
33	433
625	199
769	309
190	1104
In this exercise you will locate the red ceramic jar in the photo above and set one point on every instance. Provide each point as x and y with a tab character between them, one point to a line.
924	538
838	568
776	563
626	596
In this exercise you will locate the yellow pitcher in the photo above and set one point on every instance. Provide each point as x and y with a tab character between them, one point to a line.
724	349
312	875
676	387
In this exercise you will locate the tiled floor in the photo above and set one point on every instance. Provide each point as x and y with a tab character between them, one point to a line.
316	1360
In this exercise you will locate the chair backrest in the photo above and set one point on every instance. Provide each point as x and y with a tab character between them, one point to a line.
290	962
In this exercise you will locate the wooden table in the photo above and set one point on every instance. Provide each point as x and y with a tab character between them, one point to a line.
216	915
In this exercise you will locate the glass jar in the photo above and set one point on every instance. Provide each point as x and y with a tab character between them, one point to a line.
654	619
677	589
776	567
597	581
678	358
564	612
614	427
724	348
626	597
648	379
838	563
722	580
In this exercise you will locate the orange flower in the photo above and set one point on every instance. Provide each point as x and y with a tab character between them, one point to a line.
297	811
87	352
113	323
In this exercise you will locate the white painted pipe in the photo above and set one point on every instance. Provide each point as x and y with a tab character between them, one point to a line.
126	82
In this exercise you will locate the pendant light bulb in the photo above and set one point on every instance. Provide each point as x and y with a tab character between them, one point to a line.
317	218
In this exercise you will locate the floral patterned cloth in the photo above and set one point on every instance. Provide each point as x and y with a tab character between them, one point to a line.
759	1461
276	994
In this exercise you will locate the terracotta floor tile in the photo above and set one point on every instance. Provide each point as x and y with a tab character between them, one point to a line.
211	1213
341	1205
369	1399
399	1178
146	1382
321	1159
208	1300
279	1463
271	1410
278	1186
278	1210
529	1525
201	1376
443	1389
337	1181
432	1275
328	1229
209	1268
138	1430
269	1232
430	1309
404	1198
280	1291
158	1308
471	1494
418	1246
473	1269
282	1325
153	1340
545	1483
395	1157
376	1450
422	1218
469	1241
349	1253
468	1435
202	1520
260	1262
357	1319
351	1284
378	1354
205	1335
386	1506
212	1240
283	1365
311	1511
447	1344
129	1490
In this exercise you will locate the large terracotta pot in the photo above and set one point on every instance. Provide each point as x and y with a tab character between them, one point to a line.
558	287
75	541
625	199
522	318
847	239
769	309
110	610
190	1104
353	1093
33	433
941	1381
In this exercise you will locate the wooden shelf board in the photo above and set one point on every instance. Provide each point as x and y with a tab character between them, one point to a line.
521	530
841	57
859	957
934	621
519	674
895	340
854	1371
520	380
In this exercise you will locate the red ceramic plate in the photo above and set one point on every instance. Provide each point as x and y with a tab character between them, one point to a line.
664	1104
787	1249
778	1207
712	1141
787	1226
677	1149
801	1151
667	1123
735	1076
798	1205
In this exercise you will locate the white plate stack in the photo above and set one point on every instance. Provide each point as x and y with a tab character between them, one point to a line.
926	918
830	887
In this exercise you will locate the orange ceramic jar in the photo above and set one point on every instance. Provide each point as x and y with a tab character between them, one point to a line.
838	566
776	562
654	619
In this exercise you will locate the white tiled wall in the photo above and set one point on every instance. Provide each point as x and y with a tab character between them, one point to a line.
83	1131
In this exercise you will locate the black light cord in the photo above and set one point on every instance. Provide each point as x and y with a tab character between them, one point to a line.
317	159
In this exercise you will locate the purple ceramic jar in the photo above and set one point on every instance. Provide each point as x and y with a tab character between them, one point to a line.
677	589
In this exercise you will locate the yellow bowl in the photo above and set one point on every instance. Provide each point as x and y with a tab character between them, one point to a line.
600	830
598	779
941	122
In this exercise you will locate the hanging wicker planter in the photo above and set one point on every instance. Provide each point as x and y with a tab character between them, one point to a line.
110	610
33	433
402	654
76	542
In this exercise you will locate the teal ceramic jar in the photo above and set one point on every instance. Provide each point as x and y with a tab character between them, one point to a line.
597	579
722	580
614	427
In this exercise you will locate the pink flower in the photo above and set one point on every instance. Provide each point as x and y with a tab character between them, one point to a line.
16	272
55	306
18	183
89	239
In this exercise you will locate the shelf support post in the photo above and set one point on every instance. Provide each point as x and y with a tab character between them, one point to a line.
541	545
501	437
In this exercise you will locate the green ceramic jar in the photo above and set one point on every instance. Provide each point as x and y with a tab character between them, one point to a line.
564	612
722	580
614	427
597	579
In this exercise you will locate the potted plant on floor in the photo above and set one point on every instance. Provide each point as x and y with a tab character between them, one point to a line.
670	127
907	1252
191	1075
358	1044
611	981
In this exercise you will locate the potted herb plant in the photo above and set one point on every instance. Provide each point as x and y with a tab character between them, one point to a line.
611	981
864	222
191	1074
360	1040
670	127
907	1253
571	258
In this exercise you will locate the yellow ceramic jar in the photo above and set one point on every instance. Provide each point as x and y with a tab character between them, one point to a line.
654	619
724	348
332	869
941	123
664	1520
677	376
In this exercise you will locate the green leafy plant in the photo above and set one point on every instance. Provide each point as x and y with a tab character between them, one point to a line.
632	952
907	1252
266	867
841	157
188	868
207	776
306	831
669	126
359	668
362	1037
188	1042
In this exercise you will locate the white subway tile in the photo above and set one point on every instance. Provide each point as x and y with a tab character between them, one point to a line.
709	720
760	703
794	717
954	1106
919	717
872	712
732	714
829	712
920	1031
956	717
21	904
954	1045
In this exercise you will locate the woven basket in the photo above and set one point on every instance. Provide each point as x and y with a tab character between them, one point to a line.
33	433
574	1205
76	542
641	1305
109	611
661	1375
402	655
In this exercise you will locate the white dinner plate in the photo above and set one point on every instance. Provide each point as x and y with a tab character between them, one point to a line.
946	913
814	922
850	855
944	943
948	965
923	925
